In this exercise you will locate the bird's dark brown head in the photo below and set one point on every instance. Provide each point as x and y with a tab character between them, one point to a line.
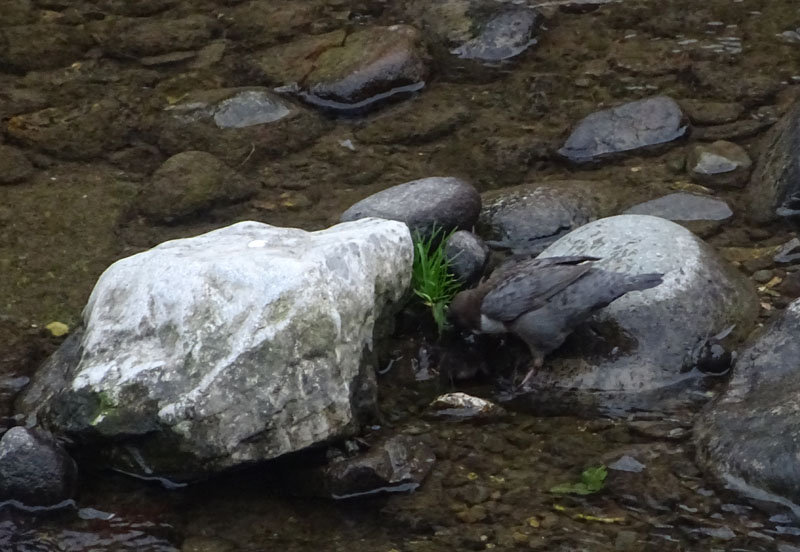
465	309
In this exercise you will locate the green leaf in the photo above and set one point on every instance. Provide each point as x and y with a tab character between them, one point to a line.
592	480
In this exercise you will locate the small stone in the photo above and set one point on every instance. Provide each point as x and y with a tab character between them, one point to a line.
701	214
467	254
762	276
719	164
737	130
627	464
460	406
504	36
34	468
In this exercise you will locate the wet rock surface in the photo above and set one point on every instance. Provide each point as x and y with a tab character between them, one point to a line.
528	218
504	36
346	78
640	348
468	255
701	214
397	464
190	183
188	395
442	202
748	437
34	469
630	127
238	125
774	183
719	164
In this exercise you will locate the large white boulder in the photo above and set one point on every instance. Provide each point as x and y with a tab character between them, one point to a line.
235	346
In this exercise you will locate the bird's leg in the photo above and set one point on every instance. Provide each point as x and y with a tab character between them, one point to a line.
536	363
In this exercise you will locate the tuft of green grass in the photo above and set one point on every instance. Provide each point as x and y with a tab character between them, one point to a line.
432	280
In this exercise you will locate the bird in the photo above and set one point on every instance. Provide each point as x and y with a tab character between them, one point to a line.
542	300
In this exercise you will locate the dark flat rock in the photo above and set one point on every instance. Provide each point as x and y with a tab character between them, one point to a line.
631	127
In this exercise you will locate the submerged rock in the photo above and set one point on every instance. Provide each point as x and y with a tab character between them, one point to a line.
372	65
189	183
504	36
444	202
528	218
34	469
228	348
397	464
238	125
702	112
14	165
83	131
701	214
774	188
719	164
631	127
638	350
41	46
136	37
749	437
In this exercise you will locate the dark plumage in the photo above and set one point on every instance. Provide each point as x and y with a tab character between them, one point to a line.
541	301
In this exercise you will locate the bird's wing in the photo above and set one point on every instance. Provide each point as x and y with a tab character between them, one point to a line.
528	287
516	263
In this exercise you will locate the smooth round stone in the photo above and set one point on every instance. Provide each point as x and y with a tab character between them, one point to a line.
189	183
467	254
34	469
627	128
640	348
749	437
505	36
444	202
719	164
702	112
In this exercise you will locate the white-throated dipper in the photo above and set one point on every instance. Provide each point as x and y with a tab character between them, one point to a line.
541	301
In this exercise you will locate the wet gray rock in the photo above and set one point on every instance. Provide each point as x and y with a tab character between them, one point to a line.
35	469
638	350
749	437
14	165
631	127
135	37
701	214
528	218
236	346
468	255
397	464
26	48
83	131
719	164
371	66
504	36
189	183
702	112
238	125
774	188
444	202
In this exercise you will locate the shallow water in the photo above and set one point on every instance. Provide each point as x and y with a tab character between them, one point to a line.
496	126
